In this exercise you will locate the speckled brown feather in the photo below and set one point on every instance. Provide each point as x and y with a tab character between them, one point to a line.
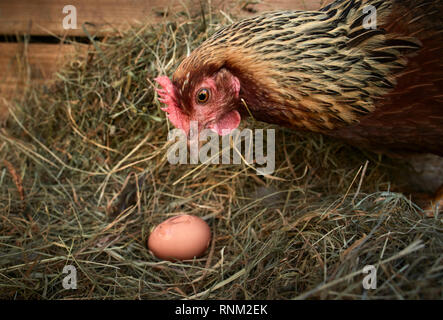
409	119
322	71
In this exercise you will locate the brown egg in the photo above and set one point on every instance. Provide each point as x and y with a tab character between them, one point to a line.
180	238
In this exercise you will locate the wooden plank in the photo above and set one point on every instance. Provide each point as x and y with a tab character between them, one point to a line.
45	17
34	63
41	59
270	5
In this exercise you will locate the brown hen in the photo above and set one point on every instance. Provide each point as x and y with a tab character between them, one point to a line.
323	71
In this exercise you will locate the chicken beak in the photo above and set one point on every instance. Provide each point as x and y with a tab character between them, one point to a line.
193	134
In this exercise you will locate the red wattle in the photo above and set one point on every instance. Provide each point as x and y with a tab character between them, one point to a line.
227	123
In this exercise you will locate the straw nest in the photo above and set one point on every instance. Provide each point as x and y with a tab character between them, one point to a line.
84	178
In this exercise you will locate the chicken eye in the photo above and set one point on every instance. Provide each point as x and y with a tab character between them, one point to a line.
202	95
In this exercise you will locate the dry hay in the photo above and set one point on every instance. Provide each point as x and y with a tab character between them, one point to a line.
84	178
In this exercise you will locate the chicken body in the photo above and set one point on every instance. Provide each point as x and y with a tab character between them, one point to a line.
324	71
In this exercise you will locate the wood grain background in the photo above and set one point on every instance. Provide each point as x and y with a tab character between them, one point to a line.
21	65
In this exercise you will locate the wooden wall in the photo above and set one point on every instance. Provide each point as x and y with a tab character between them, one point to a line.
22	64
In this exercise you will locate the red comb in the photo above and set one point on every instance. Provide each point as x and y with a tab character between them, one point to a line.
167	96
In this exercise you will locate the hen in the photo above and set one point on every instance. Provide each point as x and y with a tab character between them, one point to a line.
323	71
